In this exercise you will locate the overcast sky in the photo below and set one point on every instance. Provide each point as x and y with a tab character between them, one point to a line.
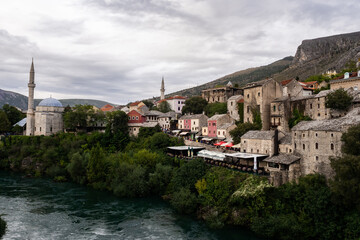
118	50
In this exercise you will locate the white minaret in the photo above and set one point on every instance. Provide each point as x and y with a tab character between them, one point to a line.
30	116
162	89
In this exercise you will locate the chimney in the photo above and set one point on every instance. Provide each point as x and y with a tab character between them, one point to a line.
276	142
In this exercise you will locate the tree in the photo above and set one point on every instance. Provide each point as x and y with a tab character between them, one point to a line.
297	117
194	105
116	132
351	140
5	124
13	114
164	107
241	112
339	99
148	103
241	129
82	116
215	108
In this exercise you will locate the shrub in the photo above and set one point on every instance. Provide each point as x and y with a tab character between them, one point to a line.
184	201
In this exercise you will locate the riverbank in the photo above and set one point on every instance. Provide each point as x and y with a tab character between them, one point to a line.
219	196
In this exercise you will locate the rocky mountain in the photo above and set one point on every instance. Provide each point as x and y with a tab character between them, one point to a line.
241	77
21	101
316	56
313	57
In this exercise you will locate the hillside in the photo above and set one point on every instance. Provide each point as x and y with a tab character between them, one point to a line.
316	56
241	77
20	101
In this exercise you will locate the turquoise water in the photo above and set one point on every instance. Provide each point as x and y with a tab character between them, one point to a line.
42	209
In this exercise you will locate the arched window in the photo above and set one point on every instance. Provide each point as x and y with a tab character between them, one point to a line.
316	146
332	146
303	146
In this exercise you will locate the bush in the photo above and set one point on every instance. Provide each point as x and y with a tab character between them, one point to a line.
184	201
339	99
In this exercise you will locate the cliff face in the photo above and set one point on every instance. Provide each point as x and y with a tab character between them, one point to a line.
316	56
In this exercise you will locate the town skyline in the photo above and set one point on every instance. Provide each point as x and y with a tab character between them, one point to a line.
119	51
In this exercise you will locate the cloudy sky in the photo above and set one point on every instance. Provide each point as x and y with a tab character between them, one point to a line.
118	50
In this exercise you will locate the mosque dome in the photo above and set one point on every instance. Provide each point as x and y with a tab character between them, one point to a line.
50	102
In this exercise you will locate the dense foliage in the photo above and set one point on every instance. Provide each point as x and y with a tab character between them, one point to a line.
297	117
215	108
164	107
81	117
242	128
9	116
309	209
339	99
194	105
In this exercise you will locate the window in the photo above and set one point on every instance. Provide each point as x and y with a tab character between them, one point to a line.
310	106
294	134
258	94
224	133
209	124
129	118
332	135
295	145
318	105
179	108
290	150
50	129
274	108
133	117
137	118
214	124
303	134
318	114
316	146
257	150
318	99
218	132
248	96
316	134
194	122
332	146
251	150
303	146
214	132
231	103
40	129
248	109
279	107
178	102
317	158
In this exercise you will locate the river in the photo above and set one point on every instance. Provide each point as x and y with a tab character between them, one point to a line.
41	209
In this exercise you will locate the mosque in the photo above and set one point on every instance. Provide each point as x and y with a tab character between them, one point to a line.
47	118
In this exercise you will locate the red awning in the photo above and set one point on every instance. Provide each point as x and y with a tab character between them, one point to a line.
219	143
229	145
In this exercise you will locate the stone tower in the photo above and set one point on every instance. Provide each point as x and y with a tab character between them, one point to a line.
162	89
30	116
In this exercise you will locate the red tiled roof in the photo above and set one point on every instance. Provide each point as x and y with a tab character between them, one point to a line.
241	101
309	83
135	103
285	82
106	108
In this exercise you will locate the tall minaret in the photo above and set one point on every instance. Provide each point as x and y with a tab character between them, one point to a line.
30	121
162	89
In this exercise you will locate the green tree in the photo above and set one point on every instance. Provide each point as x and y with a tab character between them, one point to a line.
13	114
215	108
241	129
339	99
5	124
82	116
194	105
297	117
351	141
346	183
184	201
148	103
164	107
241	112
97	168
116	132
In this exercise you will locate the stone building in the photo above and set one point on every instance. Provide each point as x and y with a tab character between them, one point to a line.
134	128
262	142
193	123
294	88
47	119
283	168
223	131
233	106
153	116
220	94
347	81
215	121
258	96
316	141
168	121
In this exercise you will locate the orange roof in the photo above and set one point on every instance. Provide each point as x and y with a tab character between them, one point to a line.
309	83
135	103
106	108
285	82
241	101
